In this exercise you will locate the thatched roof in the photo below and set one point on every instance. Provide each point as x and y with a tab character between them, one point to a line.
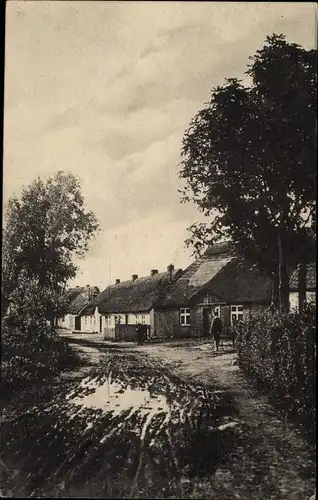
71	293
192	281
225	275
79	297
240	282
131	296
310	278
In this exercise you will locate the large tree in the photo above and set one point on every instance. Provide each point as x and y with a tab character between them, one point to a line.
44	230
249	156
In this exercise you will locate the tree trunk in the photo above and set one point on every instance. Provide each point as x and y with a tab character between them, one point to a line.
275	292
283	275
301	286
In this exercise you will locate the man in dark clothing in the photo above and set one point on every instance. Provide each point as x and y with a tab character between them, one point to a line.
145	333
139	332
234	331
216	330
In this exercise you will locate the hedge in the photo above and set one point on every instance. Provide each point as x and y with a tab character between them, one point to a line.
278	351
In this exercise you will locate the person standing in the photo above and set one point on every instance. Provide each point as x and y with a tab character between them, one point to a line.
216	330
143	333
234	331
139	334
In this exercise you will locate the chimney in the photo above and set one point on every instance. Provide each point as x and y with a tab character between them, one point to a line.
170	270
134	277
117	281
153	272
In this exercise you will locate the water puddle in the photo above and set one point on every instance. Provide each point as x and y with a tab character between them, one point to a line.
115	397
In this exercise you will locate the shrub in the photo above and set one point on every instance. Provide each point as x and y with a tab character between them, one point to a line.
31	356
278	351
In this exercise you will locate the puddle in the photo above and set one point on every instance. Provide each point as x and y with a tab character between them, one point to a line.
115	397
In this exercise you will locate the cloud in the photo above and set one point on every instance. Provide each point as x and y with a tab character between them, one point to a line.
107	89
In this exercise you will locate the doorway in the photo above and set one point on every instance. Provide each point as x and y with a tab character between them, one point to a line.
78	323
207	318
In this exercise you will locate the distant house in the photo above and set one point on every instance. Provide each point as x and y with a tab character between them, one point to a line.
310	286
77	299
217	282
119	308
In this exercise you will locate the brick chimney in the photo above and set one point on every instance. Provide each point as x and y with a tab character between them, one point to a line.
117	281
134	277
170	270
153	272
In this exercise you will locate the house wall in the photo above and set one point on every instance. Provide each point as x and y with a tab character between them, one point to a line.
167	324
167	321
109	322
67	322
293	299
90	323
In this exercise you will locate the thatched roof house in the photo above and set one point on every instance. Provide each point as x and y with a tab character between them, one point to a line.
226	275
132	296
220	282
310	278
77	298
310	286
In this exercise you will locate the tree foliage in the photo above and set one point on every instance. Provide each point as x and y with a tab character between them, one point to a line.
44	230
249	156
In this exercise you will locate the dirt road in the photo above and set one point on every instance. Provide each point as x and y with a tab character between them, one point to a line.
273	457
173	420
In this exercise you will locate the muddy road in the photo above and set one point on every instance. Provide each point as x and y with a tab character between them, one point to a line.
151	422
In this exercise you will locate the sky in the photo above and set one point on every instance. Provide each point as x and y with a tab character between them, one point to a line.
106	90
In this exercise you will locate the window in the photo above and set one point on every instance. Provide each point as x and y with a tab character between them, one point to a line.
185	317
85	320
143	319
236	313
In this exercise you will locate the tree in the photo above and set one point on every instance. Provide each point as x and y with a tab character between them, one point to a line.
44	230
249	157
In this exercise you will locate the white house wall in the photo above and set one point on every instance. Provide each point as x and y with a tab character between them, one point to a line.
91	323
293	299
67	322
109	321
